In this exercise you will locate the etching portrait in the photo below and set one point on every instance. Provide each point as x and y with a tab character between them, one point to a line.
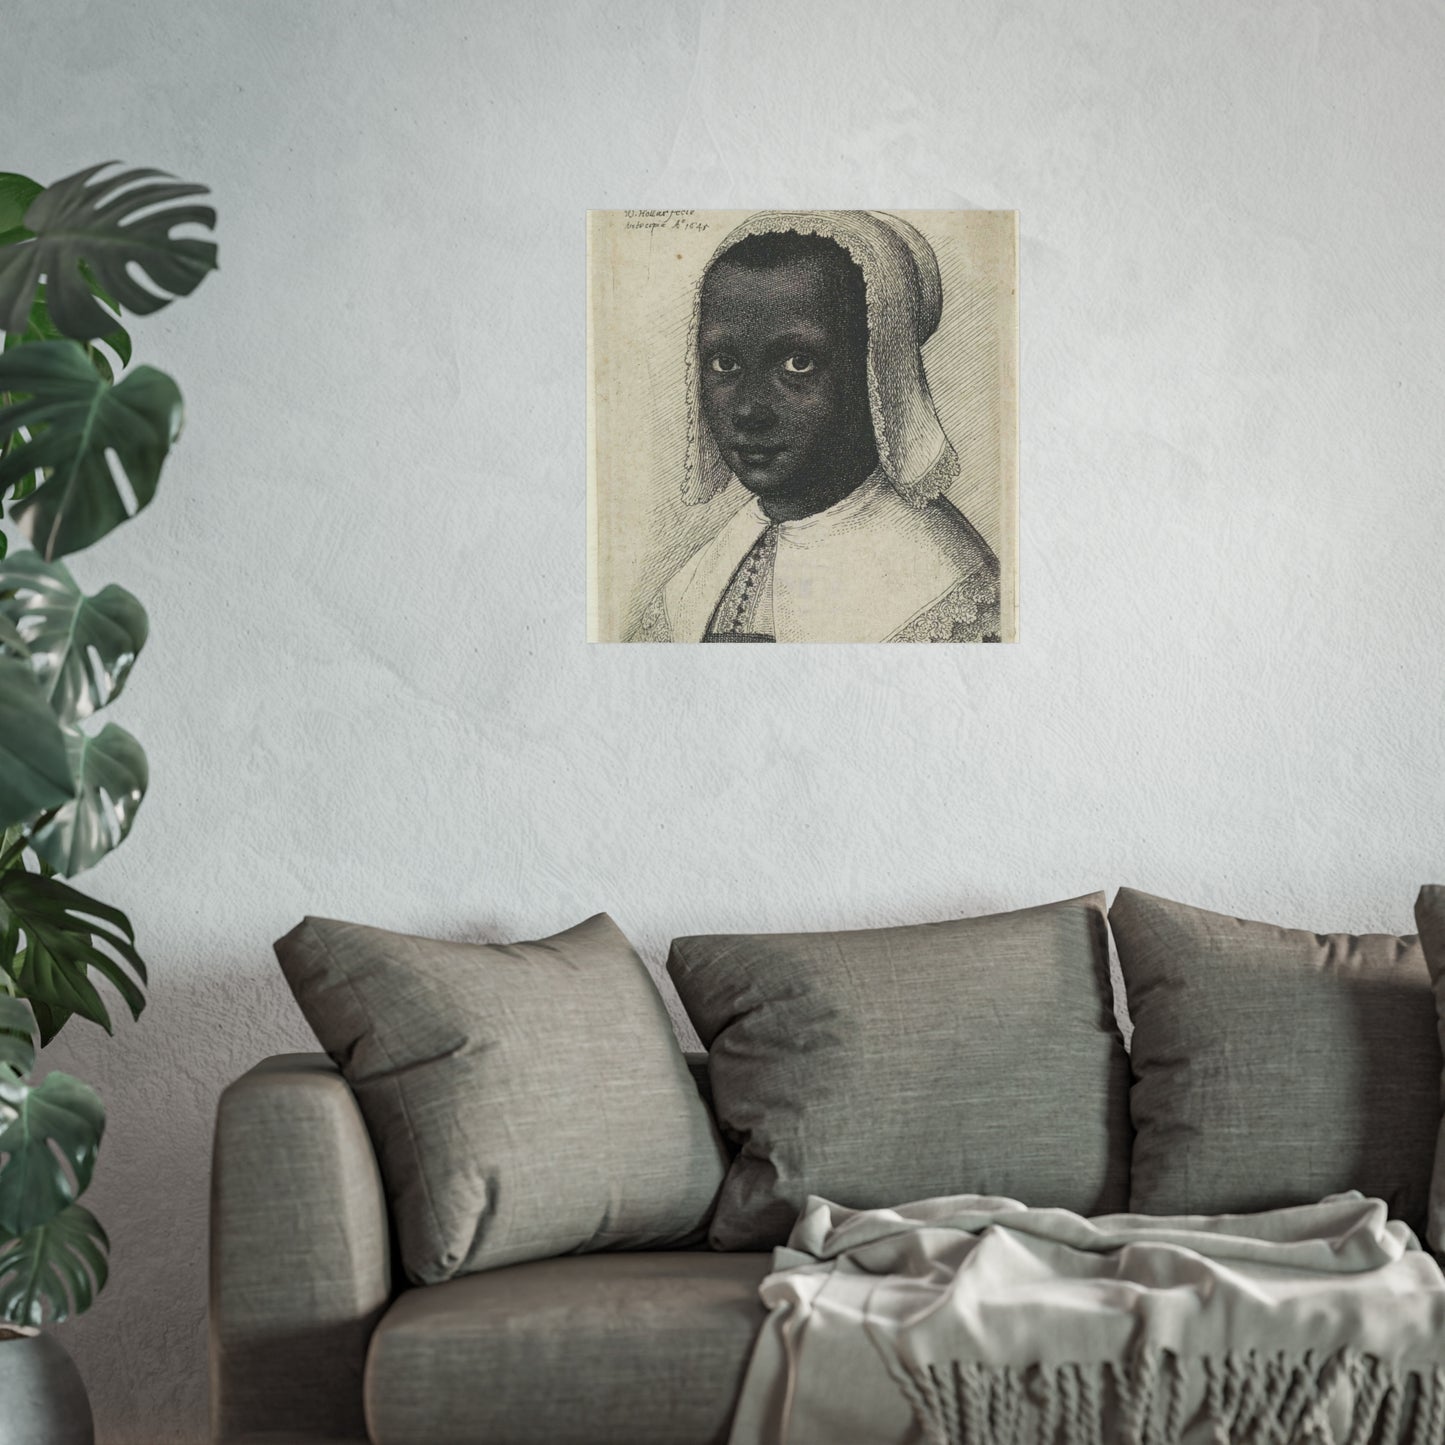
795	480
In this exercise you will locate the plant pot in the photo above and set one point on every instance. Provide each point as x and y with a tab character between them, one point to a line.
42	1397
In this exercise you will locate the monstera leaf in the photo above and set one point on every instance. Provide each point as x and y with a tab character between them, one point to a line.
17	1039
16	194
49	1137
81	648
41	328
76	419
34	762
110	776
52	936
81	221
55	1271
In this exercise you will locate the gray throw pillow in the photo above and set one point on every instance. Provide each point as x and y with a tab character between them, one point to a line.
524	1099
1274	1066
1430	920
883	1065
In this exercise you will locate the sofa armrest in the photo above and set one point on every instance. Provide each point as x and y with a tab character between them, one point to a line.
300	1254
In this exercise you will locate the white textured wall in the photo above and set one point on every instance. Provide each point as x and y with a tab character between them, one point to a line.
367	692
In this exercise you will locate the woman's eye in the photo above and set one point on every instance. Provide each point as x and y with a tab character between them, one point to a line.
725	364
800	364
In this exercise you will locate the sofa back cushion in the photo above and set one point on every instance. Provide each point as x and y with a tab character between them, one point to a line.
524	1099
1274	1066
1430	920
882	1065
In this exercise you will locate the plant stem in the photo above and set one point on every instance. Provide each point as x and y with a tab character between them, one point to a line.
8	857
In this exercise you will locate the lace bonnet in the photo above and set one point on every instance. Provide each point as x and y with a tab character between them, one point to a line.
904	302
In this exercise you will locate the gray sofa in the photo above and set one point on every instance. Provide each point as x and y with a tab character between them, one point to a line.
312	1340
1268	1067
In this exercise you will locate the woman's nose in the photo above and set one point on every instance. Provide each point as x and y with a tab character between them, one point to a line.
752	411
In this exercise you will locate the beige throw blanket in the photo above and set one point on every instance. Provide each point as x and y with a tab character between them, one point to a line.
976	1321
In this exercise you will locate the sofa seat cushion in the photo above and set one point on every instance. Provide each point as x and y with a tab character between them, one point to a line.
645	1348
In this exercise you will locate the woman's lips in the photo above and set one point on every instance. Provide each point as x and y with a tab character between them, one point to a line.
756	456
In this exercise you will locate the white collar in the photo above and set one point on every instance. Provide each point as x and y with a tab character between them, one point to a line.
879	561
805	531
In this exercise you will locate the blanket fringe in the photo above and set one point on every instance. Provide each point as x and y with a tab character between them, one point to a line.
1249	1398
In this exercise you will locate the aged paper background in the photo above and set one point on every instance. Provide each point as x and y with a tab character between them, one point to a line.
643	267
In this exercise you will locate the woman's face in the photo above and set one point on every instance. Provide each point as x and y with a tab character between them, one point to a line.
784	379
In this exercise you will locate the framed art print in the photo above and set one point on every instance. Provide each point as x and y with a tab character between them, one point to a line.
802	426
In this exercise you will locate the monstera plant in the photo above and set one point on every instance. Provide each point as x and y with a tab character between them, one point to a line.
83	438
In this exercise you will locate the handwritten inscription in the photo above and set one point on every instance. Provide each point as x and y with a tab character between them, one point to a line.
663	221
